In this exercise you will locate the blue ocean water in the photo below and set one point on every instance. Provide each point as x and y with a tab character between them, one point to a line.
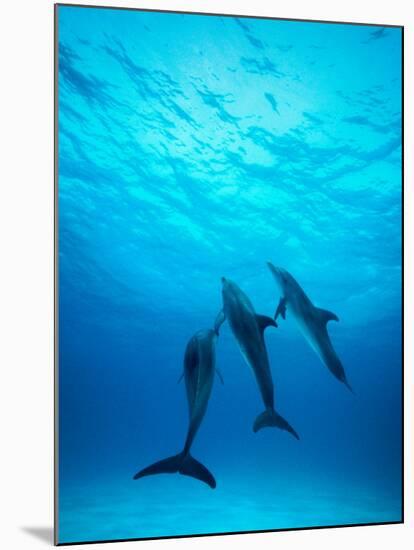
196	147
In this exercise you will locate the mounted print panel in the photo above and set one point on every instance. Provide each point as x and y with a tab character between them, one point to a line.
229	274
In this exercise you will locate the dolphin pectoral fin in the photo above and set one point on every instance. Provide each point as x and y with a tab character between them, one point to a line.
219	321
219	375
168	465
281	309
271	418
191	467
264	321
326	315
347	384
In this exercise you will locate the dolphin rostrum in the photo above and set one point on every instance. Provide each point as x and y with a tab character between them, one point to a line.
248	328
199	369
312	320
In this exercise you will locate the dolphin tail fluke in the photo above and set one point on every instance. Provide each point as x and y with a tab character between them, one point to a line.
193	468
183	464
169	465
271	418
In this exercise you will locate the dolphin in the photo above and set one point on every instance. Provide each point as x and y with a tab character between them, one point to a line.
312	320
248	328
199	370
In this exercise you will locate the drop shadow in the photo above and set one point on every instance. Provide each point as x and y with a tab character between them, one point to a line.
44	534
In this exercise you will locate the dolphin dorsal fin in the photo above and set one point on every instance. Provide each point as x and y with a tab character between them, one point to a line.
264	321
326	315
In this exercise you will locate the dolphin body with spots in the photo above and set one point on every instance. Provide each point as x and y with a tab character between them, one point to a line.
312	320
248	329
199	370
